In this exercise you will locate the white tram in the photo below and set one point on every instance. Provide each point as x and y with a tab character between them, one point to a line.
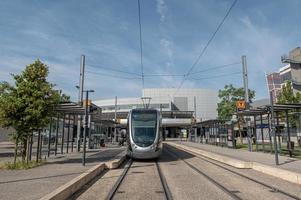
144	138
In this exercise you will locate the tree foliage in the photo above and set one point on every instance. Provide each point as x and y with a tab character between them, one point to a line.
228	97
287	95
28	105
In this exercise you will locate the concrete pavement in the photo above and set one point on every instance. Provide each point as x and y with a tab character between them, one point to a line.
142	181
37	182
289	168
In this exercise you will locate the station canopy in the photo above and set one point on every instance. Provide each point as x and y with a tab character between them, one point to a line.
267	109
71	108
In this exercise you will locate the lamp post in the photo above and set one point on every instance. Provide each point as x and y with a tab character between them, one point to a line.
85	125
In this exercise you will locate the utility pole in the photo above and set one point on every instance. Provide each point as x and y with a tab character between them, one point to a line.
195	129
273	128
86	125
80	99
115	117
246	88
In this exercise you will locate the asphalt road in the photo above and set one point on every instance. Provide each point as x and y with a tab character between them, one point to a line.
189	177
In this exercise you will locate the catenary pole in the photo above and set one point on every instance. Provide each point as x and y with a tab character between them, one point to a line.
115	120
273	128
246	88
80	98
85	128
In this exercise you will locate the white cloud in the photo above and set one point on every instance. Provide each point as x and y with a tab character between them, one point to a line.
162	10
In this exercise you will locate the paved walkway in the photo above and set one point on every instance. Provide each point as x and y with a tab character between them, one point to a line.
287	163
37	182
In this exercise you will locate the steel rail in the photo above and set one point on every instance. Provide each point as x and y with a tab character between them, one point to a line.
220	186
274	189
120	179
166	189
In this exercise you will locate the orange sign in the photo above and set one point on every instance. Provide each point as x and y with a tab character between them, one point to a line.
89	102
241	104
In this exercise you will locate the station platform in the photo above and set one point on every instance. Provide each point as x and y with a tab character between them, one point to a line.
286	163
36	182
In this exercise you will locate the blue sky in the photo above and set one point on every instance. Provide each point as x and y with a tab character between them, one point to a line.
173	35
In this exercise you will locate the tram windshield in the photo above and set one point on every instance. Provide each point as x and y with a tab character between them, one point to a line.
144	127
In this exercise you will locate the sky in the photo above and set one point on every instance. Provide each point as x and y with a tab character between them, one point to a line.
174	33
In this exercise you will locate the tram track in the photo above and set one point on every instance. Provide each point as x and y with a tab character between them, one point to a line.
274	189
166	189
120	181
229	192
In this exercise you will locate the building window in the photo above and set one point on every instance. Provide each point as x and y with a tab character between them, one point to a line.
286	77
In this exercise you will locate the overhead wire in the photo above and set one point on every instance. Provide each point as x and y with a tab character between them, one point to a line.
114	70
206	46
111	75
151	75
216	67
99	67
217	76
141	49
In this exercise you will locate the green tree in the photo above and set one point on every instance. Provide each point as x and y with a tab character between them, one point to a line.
227	105
28	105
228	97
287	95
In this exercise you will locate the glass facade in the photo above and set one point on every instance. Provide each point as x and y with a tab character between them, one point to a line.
274	81
286	76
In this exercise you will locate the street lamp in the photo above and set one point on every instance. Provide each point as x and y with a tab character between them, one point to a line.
86	125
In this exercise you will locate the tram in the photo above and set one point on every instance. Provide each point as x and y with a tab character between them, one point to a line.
144	138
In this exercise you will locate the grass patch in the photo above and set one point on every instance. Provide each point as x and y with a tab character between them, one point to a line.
267	148
21	165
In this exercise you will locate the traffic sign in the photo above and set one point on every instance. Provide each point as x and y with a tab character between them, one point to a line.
89	102
240	104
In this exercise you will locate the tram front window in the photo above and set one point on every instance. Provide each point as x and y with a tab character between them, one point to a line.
144	127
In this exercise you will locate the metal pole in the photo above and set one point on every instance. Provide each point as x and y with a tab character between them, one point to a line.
85	128
288	135
49	136
255	132
270	137
82	78
63	135
38	146
68	133
115	120
195	117
80	98
89	129
278	132
261	129
31	141
41	146
56	134
246	88
72	133
273	128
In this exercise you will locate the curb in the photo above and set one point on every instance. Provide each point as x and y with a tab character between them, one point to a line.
69	188
113	164
290	176
279	173
229	161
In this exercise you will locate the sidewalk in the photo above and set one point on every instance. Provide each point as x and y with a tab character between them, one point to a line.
37	182
290	164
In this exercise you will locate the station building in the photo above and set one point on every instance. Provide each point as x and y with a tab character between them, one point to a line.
180	108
